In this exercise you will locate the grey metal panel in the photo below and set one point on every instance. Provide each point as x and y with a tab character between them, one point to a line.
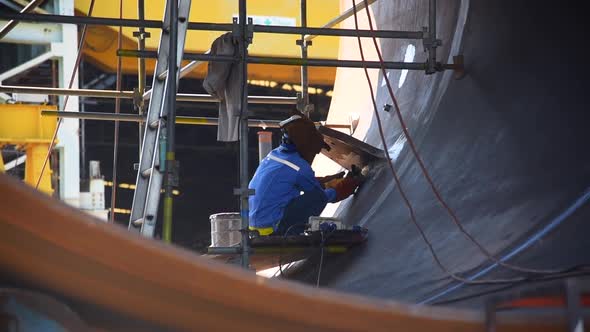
506	146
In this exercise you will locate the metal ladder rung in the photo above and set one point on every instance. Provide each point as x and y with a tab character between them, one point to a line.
162	76
147	173
154	124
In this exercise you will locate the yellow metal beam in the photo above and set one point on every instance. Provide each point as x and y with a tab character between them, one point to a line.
101	42
36	154
23	125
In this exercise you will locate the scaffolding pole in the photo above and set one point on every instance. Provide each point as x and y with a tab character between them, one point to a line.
334	63
287	61
255	28
141	36
201	98
244	176
182	120
304	78
82	20
348	13
430	42
171	170
338	32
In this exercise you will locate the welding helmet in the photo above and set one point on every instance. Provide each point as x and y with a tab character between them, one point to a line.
302	132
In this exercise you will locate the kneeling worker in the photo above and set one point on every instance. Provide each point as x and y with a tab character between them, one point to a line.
287	192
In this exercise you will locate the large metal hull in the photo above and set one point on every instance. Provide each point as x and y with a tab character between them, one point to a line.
505	146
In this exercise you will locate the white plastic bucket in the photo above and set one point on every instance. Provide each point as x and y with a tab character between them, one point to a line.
225	229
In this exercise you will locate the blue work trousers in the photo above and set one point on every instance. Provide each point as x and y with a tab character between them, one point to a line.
299	210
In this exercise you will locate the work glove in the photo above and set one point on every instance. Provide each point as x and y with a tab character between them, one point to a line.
326	179
344	187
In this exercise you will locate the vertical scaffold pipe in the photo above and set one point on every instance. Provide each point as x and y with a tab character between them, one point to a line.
432	37
244	193
141	73
171	122
304	74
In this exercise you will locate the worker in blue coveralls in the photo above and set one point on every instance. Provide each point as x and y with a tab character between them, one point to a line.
287	192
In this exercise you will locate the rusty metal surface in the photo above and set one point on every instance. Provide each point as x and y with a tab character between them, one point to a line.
347	150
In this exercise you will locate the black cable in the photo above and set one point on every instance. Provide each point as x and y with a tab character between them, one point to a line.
535	276
317	285
506	287
322	245
282	245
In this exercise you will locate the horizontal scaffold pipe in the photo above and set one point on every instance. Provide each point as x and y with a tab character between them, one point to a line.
204	26
286	61
188	120
79	20
339	32
203	98
225	250
66	92
348	13
336	63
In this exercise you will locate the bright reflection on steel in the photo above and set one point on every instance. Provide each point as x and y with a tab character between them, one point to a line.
409	57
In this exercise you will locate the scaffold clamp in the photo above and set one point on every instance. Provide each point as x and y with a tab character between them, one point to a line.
240	192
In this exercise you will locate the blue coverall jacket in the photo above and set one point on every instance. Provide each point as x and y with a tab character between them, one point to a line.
280	178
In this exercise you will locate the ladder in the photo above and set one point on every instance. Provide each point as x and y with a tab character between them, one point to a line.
150	174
